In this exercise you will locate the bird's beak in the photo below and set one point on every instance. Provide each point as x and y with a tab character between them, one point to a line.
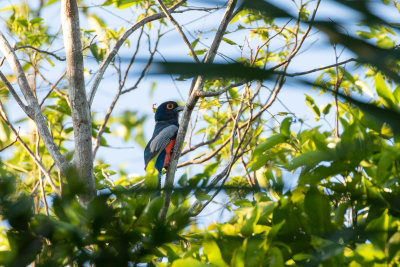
179	108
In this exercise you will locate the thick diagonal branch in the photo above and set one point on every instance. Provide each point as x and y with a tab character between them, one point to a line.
79	105
32	109
38	162
187	112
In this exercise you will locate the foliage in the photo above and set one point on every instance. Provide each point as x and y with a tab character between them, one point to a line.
292	191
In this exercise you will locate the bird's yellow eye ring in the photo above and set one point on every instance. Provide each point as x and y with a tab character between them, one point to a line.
170	106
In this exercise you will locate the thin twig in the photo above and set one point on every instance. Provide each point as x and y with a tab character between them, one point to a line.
179	29
318	69
219	92
40	51
9	145
297	47
142	74
59	92
40	174
215	138
107	177
52	88
120	42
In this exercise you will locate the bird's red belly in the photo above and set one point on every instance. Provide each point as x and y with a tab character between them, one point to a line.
168	150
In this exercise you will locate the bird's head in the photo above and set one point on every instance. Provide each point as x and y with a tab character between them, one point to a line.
168	111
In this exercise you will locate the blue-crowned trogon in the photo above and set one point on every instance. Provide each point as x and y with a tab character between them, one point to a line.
164	135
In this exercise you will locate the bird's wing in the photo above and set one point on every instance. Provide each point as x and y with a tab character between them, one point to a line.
162	139
159	141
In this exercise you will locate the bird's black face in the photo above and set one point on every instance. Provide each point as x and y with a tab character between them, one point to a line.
168	111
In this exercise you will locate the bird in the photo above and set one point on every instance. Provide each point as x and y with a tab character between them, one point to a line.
164	135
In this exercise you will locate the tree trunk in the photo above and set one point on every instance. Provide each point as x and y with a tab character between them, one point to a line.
77	94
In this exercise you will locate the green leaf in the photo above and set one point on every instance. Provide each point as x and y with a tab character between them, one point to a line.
318	209
394	245
383	91
364	87
275	257
385	43
200	52
226	40
194	43
189	262
385	161
269	143
311	158
213	253
250	220
202	196
35	21
377	230
311	104
326	108
382	115
285	127
369	253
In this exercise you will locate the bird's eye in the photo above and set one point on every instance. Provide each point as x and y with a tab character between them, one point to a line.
170	106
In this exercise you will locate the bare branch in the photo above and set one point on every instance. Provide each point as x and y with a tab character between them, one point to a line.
107	177
121	92
322	68
34	111
225	173
202	160
9	145
53	86
118	45
38	162
219	92
179	29
298	46
80	111
215	138
104	124
149	61
40	174
40	51
15	95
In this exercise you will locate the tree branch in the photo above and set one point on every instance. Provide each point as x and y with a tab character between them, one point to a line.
193	98
219	92
34	111
53	86
38	162
40	174
15	95
9	145
118	45
321	68
179	29
81	118
215	138
40	51
297	47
